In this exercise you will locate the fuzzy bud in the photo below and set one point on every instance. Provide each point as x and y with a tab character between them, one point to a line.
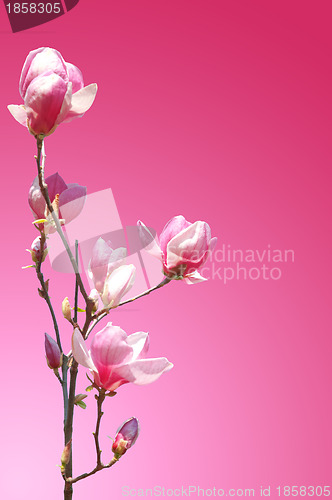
66	309
35	250
53	353
65	457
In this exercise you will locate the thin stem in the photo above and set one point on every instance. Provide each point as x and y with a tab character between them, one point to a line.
46	296
44	191
101	314
76	285
96	469
99	466
100	413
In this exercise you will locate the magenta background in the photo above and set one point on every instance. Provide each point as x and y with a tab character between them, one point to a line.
220	111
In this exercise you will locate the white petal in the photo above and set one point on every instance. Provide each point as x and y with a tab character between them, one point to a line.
149	242
80	352
139	341
193	278
19	113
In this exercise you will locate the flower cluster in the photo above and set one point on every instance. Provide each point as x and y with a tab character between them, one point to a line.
53	92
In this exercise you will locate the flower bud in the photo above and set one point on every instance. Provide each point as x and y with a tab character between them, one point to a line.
35	250
53	353
94	295
65	457
66	309
125	437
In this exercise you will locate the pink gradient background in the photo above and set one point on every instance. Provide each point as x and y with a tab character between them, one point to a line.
220	111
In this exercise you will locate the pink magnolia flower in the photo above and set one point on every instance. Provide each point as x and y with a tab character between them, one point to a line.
182	247
116	359
53	92
67	199
126	437
111	277
53	353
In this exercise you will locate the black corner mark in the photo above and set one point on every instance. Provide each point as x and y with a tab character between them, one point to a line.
24	15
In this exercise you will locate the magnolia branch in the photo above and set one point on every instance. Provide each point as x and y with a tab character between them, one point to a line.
99	466
46	296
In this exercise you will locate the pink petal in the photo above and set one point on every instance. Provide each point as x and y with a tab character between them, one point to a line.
55	185
139	341
189	246
144	371
81	102
172	228
75	77
19	113
66	104
43	102
109	347
80	352
71	202
38	62
150	243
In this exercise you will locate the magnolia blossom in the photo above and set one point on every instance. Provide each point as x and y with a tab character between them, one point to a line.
111	277
116	359
182	247
126	437
53	92
67	199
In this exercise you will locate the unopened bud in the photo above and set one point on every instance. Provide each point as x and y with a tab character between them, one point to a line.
53	353
66	309
94	295
65	457
35	250
125	437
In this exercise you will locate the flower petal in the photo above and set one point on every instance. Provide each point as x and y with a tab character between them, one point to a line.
189	246
19	113
71	202
144	371
139	341
109	347
172	228
150	243
193	278
43	102
75	77
118	284
81	101
38	62
80	353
